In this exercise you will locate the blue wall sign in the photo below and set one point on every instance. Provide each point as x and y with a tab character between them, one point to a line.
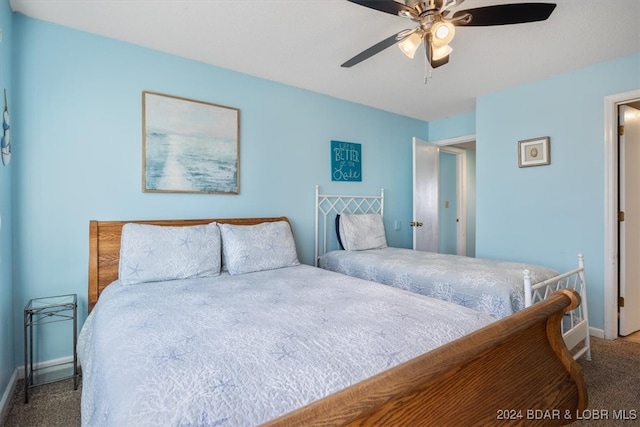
346	161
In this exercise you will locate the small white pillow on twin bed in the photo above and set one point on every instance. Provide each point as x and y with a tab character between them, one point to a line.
359	232
265	246
152	253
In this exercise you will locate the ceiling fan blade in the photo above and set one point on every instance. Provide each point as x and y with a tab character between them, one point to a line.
387	6
376	48
505	14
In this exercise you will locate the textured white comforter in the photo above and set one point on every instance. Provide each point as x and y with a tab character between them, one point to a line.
490	286
241	350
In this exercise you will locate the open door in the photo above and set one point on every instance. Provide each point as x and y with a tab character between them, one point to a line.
629	220
426	171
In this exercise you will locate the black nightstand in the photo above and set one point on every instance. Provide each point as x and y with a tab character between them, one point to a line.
40	311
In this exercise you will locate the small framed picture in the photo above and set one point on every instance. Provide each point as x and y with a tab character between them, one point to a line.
533	152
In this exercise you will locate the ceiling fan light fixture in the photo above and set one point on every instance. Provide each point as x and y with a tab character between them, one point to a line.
409	45
440	52
442	33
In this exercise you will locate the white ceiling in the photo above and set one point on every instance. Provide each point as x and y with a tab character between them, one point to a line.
303	42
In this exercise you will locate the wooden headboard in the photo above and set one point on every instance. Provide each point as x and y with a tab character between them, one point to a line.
104	247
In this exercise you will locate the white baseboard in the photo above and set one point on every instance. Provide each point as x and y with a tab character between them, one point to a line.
598	333
7	396
46	364
18	374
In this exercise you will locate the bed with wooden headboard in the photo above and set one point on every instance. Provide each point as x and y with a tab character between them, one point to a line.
508	372
104	247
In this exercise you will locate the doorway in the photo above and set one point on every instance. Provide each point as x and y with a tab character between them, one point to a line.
429	209
629	218
448	195
464	148
453	203
613	262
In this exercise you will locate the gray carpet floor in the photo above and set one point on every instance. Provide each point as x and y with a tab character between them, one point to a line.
613	382
612	377
50	405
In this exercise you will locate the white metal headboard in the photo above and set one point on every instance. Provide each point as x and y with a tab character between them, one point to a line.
329	205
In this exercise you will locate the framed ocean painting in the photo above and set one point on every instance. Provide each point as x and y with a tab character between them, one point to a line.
189	146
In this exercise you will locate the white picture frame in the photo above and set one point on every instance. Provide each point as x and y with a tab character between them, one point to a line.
534	152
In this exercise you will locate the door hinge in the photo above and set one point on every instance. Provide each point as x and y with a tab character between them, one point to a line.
620	301
621	216
621	130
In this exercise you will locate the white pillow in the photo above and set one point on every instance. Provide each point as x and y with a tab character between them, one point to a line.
359	232
152	253
265	246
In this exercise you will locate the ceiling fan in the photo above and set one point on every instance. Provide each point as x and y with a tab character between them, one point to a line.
436	24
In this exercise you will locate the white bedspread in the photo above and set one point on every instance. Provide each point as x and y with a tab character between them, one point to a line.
490	286
241	350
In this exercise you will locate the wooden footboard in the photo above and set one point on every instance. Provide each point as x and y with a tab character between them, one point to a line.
516	371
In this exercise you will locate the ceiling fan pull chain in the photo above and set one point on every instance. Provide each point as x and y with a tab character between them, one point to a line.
427	76
426	65
428	71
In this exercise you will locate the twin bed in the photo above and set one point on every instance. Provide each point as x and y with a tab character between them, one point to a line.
350	239
174	340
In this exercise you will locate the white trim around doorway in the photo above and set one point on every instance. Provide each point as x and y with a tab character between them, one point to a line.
611	104
461	191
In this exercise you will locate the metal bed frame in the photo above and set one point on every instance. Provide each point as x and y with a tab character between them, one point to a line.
327	204
575	327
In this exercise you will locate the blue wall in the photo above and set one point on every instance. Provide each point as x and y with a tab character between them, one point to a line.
78	100
548	214
452	127
7	361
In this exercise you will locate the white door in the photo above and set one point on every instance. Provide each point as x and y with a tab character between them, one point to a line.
629	229
425	196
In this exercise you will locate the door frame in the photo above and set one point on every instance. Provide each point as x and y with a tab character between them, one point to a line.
461	185
461	197
611	200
